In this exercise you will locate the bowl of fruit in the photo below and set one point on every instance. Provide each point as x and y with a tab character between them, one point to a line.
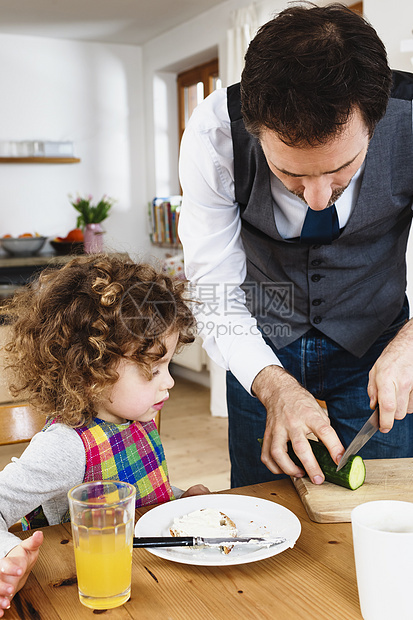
23	245
71	244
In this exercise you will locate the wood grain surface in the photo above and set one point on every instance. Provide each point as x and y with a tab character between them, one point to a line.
315	580
330	503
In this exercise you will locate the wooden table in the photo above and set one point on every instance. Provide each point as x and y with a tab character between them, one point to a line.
315	580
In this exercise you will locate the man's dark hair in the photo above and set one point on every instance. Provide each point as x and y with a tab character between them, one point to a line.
308	69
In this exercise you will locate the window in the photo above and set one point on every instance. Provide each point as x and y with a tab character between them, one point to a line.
357	7
193	86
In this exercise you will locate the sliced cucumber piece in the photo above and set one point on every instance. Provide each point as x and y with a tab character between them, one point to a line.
351	476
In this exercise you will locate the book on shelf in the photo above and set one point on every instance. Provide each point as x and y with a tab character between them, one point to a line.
163	218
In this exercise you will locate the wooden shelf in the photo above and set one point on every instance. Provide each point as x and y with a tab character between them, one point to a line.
39	160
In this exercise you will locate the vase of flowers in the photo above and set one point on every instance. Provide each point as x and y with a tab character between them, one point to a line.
90	219
93	238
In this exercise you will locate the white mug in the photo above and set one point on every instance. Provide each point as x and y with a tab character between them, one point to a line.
383	551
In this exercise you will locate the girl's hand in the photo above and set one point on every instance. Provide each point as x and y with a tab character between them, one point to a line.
197	489
15	568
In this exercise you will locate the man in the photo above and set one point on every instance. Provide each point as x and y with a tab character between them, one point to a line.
295	221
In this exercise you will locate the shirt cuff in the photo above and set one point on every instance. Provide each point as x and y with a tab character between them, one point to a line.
248	357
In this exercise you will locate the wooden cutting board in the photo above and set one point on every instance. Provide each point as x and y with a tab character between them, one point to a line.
385	479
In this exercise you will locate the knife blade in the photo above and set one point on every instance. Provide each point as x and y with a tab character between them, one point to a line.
199	541
362	437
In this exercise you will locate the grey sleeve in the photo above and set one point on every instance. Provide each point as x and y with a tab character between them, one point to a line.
177	492
52	463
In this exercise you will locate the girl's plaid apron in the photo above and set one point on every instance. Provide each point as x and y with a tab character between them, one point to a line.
132	454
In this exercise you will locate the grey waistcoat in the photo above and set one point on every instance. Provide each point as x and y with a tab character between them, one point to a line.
353	289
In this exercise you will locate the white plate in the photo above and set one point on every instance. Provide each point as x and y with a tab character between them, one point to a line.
253	517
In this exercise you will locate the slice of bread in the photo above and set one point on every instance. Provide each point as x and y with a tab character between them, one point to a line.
206	522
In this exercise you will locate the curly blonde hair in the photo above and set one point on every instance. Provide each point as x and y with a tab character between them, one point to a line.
70	328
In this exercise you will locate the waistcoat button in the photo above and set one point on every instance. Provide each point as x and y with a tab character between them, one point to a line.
317	320
317	302
316	262
316	277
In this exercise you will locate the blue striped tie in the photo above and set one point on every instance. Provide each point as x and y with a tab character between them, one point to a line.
320	227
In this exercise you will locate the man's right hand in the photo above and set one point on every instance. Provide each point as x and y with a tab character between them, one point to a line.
292	414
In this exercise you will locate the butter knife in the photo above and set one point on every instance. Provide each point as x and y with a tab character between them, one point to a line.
199	541
362	437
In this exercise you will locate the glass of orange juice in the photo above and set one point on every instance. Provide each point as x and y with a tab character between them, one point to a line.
102	516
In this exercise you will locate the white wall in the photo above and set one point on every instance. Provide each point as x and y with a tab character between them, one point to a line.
177	50
90	94
394	22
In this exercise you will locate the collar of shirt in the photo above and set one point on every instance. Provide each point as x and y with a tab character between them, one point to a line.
290	211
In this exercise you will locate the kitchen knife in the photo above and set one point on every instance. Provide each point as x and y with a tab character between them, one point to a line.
362	437
199	541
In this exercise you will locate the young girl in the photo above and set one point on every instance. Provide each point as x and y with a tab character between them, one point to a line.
91	344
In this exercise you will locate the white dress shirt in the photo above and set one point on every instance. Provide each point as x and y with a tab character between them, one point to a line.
210	227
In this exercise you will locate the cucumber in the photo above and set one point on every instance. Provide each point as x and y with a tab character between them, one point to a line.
351	476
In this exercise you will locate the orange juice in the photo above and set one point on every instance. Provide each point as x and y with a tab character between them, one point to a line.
104	564
102	514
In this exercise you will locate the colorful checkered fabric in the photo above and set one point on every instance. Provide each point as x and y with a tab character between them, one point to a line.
132	453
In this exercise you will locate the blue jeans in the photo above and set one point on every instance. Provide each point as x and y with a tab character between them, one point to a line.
331	374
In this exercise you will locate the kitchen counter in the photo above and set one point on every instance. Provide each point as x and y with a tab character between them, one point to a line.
29	261
16	271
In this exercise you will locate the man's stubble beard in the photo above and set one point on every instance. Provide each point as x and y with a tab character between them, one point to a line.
334	196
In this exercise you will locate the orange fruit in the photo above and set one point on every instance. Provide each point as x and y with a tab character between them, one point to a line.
25	235
75	235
